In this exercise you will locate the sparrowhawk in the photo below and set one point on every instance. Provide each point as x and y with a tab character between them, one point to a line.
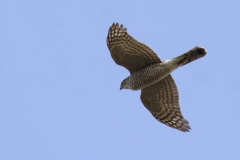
159	92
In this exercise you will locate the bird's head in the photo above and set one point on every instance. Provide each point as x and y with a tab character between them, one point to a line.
125	84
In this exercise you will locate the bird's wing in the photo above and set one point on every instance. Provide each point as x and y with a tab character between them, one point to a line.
162	100
128	52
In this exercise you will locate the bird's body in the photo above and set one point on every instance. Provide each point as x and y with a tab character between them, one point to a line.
153	73
159	93
147	76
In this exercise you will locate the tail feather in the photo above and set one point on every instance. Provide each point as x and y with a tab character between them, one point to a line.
192	55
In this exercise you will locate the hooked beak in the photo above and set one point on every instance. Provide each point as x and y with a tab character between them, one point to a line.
121	88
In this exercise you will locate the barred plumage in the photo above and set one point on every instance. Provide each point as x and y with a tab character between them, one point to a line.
159	93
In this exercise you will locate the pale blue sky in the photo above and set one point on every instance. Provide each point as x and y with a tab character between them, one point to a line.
59	87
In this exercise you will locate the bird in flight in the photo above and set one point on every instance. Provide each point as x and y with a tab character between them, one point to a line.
159	93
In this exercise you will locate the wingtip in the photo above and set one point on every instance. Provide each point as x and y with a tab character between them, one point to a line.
116	25
115	30
185	127
121	26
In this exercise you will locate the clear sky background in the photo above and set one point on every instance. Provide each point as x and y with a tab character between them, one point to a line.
59	87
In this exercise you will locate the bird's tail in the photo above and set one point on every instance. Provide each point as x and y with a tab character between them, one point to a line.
192	55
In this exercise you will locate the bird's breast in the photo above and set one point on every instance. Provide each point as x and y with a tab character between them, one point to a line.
149	75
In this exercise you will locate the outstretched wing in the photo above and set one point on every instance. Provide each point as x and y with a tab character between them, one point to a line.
162	100
128	52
